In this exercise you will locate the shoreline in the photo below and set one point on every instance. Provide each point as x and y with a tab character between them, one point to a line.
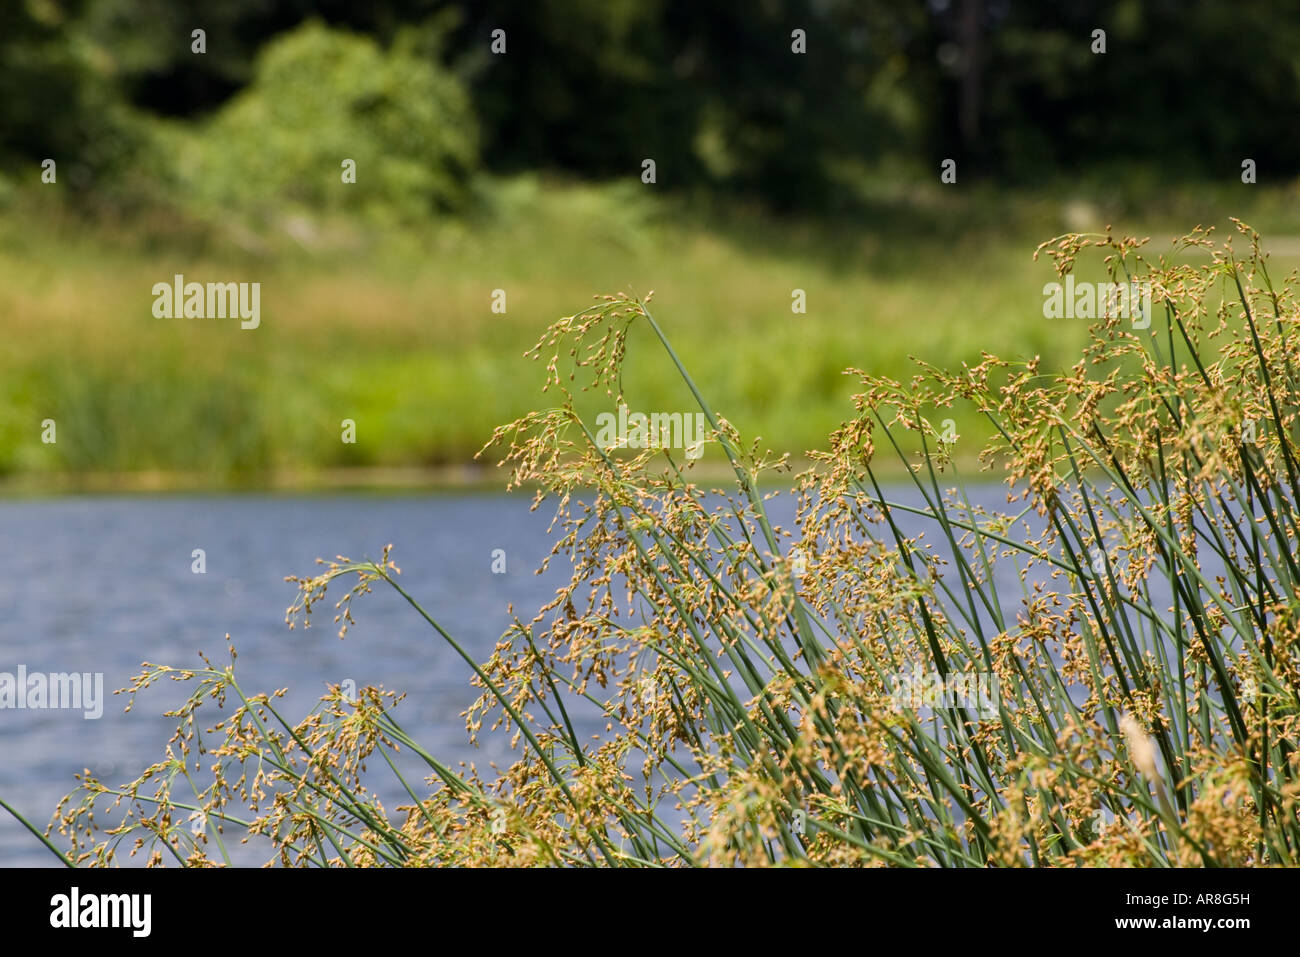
464	477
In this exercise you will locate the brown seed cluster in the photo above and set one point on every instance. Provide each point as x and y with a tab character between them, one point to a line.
1145	654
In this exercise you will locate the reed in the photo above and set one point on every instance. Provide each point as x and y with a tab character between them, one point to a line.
1136	603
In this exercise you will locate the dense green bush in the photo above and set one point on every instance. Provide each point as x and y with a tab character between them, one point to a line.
320	96
59	100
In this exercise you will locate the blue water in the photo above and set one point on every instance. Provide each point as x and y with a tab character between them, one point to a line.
102	584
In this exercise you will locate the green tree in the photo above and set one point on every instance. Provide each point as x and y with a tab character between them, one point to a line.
320	96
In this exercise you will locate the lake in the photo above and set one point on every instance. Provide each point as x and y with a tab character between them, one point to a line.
100	584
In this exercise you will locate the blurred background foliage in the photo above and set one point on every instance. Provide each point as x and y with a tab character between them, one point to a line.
521	171
318	94
708	88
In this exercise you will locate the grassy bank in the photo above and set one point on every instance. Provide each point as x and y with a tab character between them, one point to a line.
393	327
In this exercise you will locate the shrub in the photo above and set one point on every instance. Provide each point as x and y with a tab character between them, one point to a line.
320	96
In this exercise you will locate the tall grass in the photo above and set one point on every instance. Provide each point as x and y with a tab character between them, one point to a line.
1136	602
